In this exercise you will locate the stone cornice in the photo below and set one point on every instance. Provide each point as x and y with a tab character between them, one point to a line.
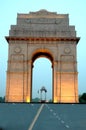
13	38
42	14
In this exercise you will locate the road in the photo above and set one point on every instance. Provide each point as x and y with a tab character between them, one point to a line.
42	116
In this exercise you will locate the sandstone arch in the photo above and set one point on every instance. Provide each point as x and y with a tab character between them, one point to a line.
48	34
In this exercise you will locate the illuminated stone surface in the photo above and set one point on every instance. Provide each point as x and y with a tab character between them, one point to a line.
45	34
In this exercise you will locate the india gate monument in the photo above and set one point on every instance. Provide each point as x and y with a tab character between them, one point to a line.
42	34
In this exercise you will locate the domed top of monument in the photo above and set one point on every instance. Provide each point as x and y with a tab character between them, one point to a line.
42	23
41	13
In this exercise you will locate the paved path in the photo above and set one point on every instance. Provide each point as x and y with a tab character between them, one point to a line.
17	116
36	117
42	116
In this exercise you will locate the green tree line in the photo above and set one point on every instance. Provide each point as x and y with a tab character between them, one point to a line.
82	99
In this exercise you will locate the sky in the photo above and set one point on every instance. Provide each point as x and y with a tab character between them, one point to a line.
77	16
42	77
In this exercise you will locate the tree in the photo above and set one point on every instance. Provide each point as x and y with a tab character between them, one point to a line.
2	99
82	98
36	99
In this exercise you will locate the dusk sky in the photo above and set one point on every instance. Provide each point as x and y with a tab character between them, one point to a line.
77	17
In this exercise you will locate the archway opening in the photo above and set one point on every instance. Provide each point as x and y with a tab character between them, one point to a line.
42	77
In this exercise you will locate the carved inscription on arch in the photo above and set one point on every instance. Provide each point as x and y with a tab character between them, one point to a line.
67	63
17	62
